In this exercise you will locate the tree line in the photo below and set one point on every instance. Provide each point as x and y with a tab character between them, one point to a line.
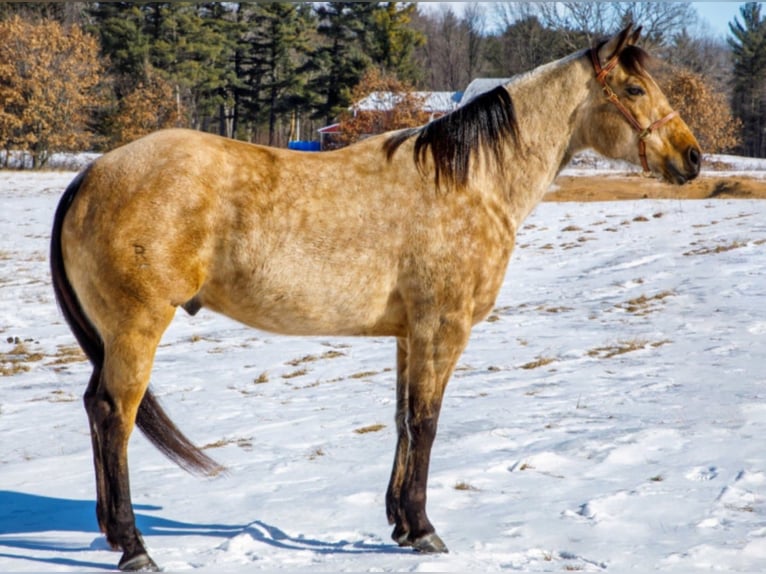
93	75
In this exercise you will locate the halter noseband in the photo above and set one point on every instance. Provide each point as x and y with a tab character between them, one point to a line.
643	133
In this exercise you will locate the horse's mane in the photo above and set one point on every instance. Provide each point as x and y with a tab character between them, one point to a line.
487	120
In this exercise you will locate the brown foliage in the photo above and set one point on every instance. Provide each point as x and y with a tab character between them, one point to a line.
150	106
707	112
399	107
49	78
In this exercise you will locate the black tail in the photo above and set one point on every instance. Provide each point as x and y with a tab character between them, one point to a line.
151	419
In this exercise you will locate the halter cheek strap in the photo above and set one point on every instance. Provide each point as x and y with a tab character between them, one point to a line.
611	96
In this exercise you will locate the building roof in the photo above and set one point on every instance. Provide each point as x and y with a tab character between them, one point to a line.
331	129
385	101
481	85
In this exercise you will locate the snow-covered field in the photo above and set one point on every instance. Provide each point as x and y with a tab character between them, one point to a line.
611	414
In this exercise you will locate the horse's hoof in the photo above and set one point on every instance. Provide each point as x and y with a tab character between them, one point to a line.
139	563
401	537
430	544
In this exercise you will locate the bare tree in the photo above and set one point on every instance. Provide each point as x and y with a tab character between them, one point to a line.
704	55
573	19
445	54
475	19
521	41
660	20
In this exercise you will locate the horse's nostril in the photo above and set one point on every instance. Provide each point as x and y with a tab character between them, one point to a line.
695	159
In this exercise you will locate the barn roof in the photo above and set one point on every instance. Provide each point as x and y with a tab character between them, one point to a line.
481	85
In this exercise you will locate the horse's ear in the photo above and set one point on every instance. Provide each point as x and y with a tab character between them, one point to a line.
635	36
616	43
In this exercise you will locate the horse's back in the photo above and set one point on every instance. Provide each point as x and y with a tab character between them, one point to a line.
266	236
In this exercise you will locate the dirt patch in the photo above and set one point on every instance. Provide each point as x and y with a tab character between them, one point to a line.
613	188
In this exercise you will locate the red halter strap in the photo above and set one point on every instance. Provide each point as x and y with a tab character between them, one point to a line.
611	96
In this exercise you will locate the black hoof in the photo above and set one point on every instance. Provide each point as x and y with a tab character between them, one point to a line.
430	544
139	563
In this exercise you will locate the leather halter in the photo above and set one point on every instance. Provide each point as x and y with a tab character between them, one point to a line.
611	96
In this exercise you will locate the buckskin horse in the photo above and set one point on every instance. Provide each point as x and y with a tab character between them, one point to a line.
406	234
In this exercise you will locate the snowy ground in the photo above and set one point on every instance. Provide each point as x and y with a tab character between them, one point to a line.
610	416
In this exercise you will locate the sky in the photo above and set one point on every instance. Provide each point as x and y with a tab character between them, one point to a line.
716	15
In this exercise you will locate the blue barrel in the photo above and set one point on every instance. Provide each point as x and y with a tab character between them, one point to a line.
300	145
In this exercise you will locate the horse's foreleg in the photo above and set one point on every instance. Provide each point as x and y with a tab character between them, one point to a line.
393	495
432	358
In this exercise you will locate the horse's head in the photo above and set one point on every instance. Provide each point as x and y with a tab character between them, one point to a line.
630	118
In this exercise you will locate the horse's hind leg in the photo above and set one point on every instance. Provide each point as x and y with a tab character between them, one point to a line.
394	492
90	402
112	406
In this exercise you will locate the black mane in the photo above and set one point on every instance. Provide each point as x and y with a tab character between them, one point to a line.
489	119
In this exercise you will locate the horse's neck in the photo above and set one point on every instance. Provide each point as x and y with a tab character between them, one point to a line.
547	101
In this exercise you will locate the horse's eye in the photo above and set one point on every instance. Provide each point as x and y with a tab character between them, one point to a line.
635	91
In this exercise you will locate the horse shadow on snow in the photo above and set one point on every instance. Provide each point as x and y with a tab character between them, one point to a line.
25	517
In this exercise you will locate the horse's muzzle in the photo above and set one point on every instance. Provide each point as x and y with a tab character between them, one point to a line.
690	169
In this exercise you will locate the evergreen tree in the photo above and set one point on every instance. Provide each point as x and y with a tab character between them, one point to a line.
120	29
393	40
339	62
191	48
275	50
188	45
748	45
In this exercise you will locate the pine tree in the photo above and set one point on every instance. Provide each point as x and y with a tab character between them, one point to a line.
392	42
121	31
748	45
340	62
275	50
192	50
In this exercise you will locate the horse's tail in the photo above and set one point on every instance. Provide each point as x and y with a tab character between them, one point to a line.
151	418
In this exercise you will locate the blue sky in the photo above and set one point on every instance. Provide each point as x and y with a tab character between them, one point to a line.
718	15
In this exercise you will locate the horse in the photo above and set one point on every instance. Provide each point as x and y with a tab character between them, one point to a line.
405	234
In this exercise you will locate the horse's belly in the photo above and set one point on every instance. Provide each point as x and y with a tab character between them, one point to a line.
307	307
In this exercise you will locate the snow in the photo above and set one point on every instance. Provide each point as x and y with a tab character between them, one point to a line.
609	416
721	165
